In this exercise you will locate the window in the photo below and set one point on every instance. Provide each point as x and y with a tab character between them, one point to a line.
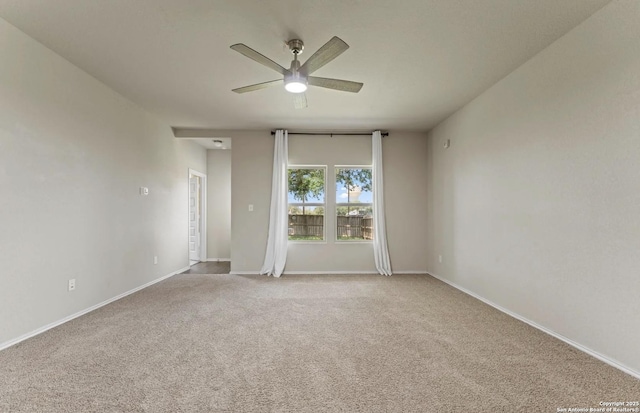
354	203
306	203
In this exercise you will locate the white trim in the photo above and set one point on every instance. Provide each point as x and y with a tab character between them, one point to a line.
329	272
203	223
605	359
49	326
218	260
257	272
417	272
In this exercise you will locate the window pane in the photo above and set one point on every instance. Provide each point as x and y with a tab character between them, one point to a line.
351	210
353	185
306	223
355	227
306	191
306	185
354	198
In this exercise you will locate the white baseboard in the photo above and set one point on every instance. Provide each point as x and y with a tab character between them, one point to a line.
329	272
49	326
218	260
309	272
257	272
605	359
350	272
421	272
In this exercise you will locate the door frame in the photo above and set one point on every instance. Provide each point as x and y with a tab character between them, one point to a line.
203	216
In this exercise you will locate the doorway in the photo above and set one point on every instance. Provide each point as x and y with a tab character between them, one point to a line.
197	217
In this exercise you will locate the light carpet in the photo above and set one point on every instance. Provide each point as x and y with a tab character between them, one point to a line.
224	343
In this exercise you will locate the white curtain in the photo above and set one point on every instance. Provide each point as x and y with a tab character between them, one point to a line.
380	249
276	254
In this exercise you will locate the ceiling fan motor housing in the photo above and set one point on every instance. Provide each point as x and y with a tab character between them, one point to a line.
296	46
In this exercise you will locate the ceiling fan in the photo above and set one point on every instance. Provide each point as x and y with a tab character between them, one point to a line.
296	78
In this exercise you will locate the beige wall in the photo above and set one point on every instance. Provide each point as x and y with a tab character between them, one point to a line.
330	256
405	174
219	204
73	154
251	164
535	206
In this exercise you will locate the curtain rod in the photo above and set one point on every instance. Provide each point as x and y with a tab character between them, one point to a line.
333	133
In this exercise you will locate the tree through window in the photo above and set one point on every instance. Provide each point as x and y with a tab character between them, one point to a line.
354	204
306	198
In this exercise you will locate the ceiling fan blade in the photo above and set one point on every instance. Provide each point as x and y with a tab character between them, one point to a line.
337	84
299	100
332	49
258	86
263	60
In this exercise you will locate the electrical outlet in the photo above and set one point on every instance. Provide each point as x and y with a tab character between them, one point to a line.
72	284
155	259
440	259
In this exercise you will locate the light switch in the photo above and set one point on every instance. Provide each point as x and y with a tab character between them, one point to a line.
144	190
250	207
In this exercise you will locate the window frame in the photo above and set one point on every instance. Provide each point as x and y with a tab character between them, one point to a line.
348	204
309	204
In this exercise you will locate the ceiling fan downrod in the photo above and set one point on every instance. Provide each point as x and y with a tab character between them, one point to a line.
295	82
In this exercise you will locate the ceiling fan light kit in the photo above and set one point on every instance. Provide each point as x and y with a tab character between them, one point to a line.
295	85
296	79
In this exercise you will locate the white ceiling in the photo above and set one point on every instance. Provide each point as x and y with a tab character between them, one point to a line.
420	60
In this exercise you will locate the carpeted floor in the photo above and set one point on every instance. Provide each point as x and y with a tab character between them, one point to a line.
209	343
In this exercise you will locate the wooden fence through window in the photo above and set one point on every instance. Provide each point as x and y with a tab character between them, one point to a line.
306	225
355	227
349	227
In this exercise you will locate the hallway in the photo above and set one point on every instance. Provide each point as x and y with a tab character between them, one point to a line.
221	267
